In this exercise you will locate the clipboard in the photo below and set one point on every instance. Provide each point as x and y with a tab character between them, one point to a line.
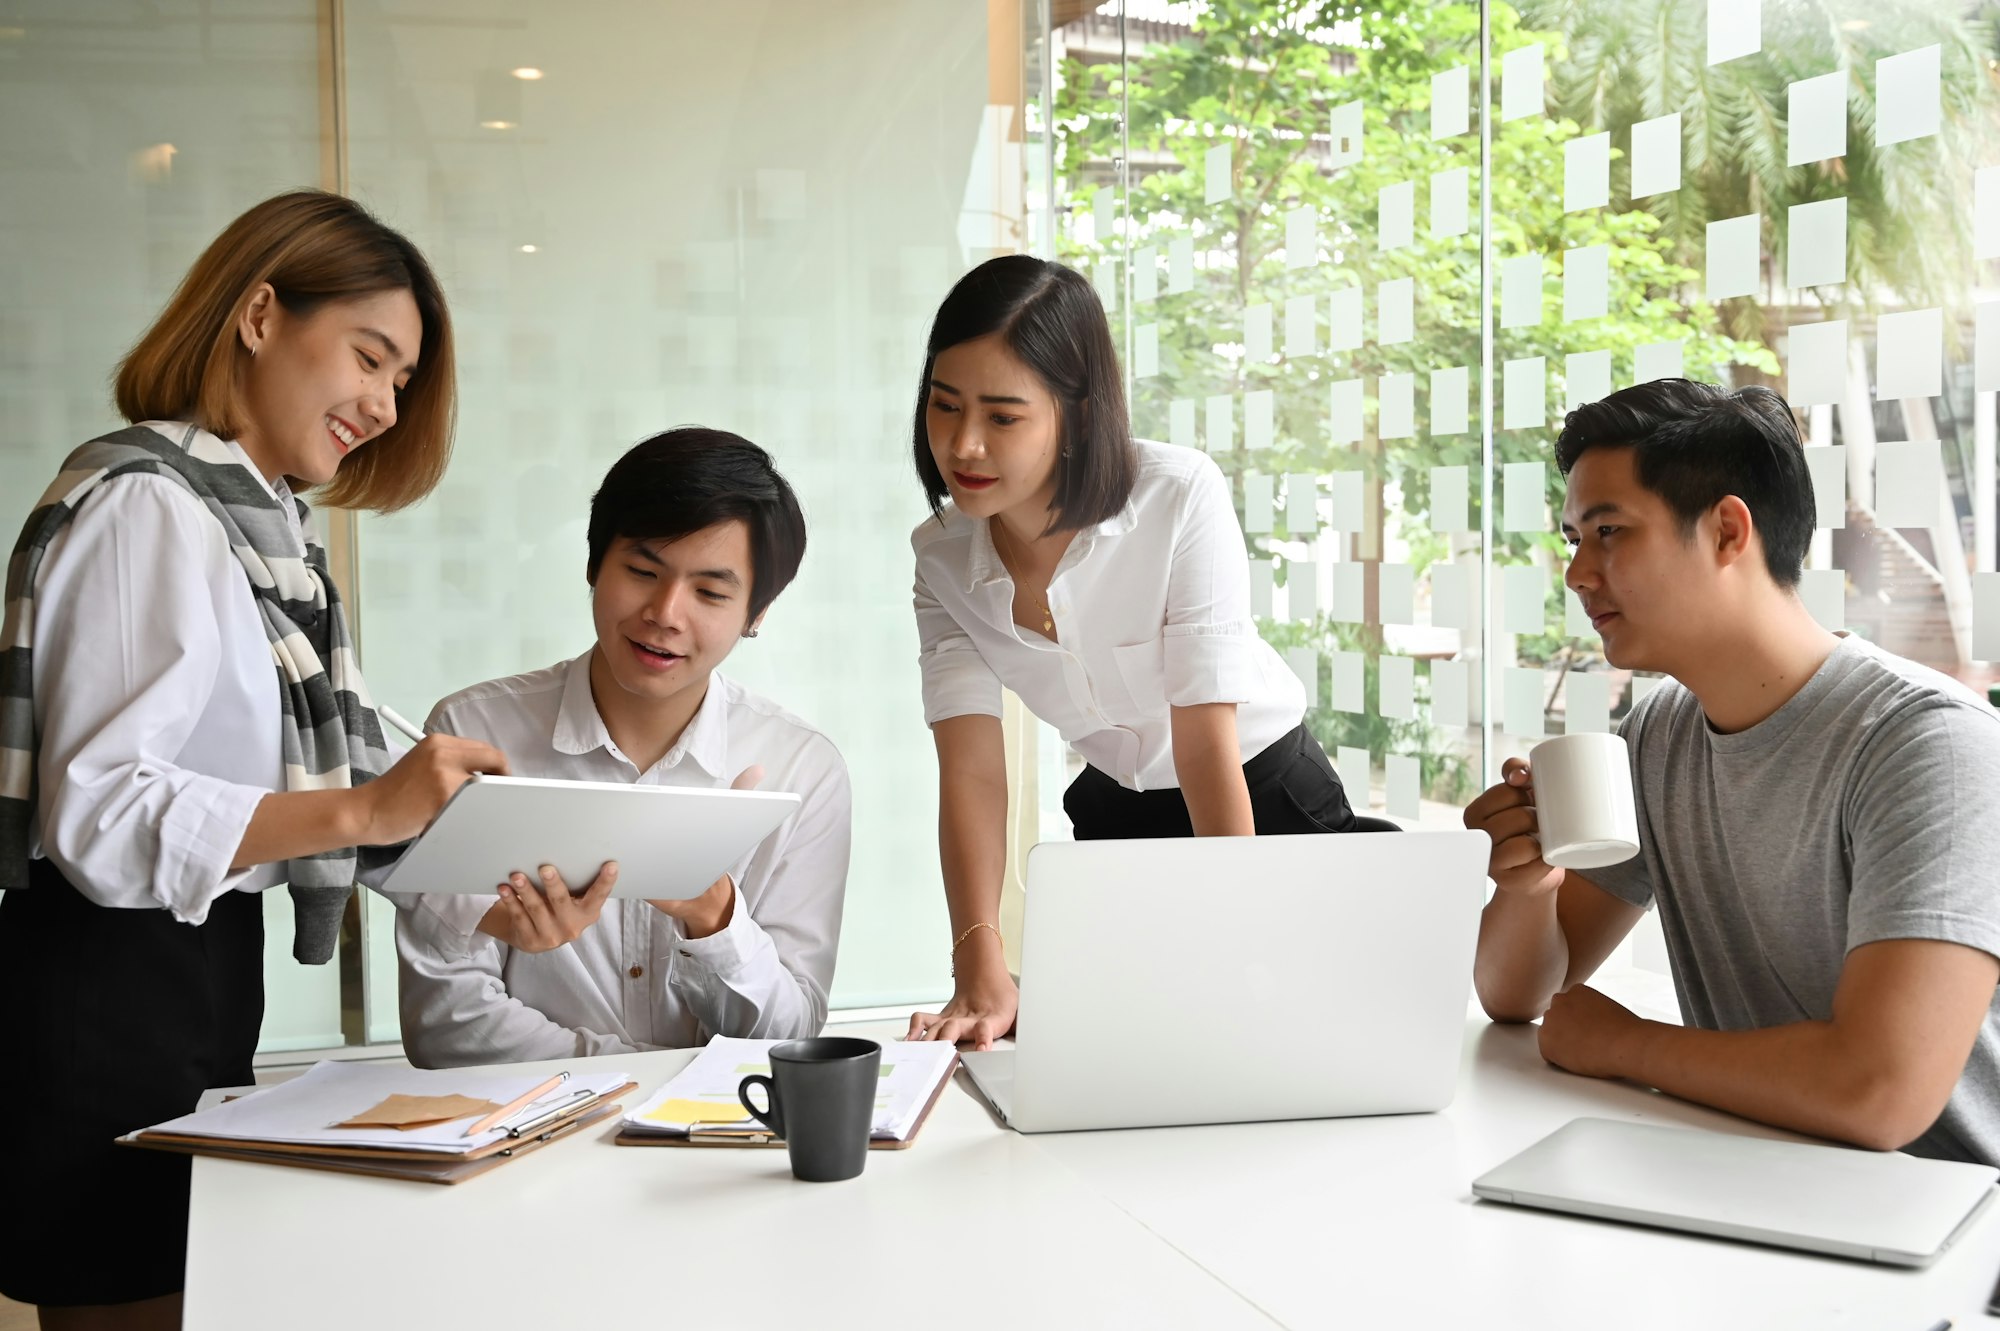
627	1137
380	1163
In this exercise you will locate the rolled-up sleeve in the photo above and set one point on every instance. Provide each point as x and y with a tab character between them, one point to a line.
1210	639
127	648
452	919
957	679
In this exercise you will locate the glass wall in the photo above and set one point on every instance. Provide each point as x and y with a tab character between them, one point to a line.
1369	256
741	216
1281	206
1797	196
130	134
645	215
1365	256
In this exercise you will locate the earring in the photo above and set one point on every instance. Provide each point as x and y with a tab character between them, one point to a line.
749	633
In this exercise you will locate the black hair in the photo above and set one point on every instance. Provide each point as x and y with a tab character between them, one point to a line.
1695	444
1050	317
690	478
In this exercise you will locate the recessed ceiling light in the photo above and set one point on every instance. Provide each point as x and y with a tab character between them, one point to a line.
1854	25
528	72
497	124
530	249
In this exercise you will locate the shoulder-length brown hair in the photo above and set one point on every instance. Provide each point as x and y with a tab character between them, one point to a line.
312	247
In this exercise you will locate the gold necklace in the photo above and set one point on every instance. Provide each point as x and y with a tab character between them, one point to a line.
1048	618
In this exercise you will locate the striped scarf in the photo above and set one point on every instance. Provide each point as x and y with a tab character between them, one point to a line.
331	737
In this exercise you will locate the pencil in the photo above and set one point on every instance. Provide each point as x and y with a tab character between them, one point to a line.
517	1103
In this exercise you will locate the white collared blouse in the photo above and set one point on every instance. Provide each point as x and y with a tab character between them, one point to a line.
156	700
1152	612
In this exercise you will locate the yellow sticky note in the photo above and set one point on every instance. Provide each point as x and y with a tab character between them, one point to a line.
696	1111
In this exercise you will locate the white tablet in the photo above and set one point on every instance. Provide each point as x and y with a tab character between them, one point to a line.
671	842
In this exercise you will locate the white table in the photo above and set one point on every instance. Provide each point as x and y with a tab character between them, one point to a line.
1334	1223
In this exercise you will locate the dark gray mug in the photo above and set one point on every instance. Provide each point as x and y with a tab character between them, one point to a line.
820	1100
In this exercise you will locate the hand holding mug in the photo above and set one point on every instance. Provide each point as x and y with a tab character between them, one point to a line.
1507	814
1583	801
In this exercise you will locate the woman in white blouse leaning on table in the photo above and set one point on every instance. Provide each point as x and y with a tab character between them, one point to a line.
1104	581
182	725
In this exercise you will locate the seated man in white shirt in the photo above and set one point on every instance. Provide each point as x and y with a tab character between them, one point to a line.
692	536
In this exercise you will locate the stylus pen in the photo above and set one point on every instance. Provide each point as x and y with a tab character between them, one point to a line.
393	718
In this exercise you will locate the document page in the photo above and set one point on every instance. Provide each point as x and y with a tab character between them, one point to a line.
305	1110
704	1094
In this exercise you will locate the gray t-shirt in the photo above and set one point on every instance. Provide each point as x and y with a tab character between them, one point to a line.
1866	808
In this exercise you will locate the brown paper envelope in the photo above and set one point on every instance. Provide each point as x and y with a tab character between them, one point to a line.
405	1112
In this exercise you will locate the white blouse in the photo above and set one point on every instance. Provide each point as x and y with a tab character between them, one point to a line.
1152	609
156	700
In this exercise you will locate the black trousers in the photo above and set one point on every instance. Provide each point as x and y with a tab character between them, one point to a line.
1293	789
110	1020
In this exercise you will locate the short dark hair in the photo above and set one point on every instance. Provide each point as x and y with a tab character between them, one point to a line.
1695	444
689	478
1050	317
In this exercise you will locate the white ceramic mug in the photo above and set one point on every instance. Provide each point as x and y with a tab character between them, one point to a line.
1583	801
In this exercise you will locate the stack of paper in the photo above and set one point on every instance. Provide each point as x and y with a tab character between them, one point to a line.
310	1110
703	1096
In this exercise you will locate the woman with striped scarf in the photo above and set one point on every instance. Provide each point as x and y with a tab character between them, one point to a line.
182	725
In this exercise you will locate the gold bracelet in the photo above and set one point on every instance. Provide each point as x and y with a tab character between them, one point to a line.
962	937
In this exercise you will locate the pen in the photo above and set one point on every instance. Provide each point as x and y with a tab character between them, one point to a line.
1945	1325
569	1104
517	1104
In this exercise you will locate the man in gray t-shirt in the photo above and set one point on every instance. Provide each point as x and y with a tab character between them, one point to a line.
1866	808
1819	820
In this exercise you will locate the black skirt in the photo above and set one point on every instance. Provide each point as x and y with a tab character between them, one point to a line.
110	1020
1293	789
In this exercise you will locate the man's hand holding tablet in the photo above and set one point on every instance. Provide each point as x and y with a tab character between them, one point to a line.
709	913
540	916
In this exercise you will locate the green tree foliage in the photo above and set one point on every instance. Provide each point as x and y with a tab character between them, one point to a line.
1908	213
1263	77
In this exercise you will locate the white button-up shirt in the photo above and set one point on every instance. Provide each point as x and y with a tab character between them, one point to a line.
156	699
1152	607
632	981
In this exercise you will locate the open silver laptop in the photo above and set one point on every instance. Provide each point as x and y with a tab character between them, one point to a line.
1239	979
1874	1205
